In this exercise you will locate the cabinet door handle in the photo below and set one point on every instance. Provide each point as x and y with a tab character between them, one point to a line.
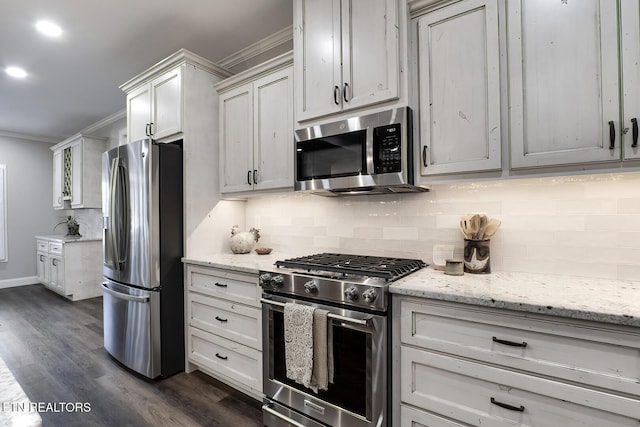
146	129
509	343
220	319
612	135
424	156
507	406
249	177
336	91
221	357
634	131
54	262
255	176
221	285
344	92
151	129
42	258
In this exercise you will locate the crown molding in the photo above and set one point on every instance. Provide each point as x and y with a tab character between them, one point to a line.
182	56
270	66
29	137
105	122
264	45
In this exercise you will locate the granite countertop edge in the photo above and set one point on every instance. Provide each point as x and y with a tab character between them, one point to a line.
601	300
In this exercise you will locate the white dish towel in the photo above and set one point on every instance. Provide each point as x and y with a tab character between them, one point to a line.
298	342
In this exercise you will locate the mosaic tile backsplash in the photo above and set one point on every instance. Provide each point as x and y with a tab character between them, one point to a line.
576	225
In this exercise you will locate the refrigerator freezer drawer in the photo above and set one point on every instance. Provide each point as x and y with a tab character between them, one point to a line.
132	327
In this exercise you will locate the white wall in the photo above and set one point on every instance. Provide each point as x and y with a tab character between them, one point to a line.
579	225
29	205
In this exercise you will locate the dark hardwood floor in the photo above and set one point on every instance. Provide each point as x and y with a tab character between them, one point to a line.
54	349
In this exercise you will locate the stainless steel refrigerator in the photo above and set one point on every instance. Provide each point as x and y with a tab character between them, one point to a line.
142	250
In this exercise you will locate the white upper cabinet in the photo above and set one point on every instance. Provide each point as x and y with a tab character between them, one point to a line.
236	137
459	88
563	69
77	170
256	128
346	55
154	110
630	18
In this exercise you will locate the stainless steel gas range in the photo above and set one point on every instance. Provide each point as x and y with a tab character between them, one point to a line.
354	291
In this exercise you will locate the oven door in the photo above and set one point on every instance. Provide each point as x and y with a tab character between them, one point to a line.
358	395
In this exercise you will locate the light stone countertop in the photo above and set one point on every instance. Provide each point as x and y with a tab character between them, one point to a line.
247	263
602	300
65	239
15	408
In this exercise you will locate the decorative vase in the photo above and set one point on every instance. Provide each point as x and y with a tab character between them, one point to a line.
242	242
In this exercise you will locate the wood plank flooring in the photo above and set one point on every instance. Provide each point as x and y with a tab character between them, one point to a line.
55	350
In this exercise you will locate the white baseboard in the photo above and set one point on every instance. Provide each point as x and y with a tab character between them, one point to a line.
20	281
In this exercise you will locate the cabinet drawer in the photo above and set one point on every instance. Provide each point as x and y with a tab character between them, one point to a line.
230	320
42	246
473	393
411	417
583	352
226	358
224	284
55	247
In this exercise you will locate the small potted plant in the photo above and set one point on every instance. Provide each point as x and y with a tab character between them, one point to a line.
73	227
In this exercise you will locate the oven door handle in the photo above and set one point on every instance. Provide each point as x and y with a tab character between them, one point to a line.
364	322
268	409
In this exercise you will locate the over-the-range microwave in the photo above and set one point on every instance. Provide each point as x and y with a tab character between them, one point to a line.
371	154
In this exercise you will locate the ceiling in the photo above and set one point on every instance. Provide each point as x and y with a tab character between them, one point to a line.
74	80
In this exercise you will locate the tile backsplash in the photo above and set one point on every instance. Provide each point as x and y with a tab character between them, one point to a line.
575	225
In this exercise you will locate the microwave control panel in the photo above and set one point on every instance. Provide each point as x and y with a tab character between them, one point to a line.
387	149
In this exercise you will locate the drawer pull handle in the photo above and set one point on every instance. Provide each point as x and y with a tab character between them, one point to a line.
507	406
510	343
221	357
220	319
221	285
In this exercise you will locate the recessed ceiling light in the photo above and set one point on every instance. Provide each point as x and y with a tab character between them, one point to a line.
16	72
48	28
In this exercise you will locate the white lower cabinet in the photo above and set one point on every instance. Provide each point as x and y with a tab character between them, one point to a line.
463	365
224	326
71	268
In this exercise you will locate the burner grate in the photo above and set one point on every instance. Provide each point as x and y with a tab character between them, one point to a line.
383	267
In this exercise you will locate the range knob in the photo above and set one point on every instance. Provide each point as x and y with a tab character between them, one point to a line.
311	287
277	281
265	279
351	293
369	295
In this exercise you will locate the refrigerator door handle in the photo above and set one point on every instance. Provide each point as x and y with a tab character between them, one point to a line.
127	297
110	255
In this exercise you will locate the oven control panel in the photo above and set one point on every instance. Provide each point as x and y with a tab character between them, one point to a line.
363	295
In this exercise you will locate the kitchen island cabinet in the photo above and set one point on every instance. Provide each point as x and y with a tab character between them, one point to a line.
256	128
224	326
70	267
347	54
476	350
77	172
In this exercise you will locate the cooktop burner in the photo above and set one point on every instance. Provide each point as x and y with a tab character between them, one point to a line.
383	267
